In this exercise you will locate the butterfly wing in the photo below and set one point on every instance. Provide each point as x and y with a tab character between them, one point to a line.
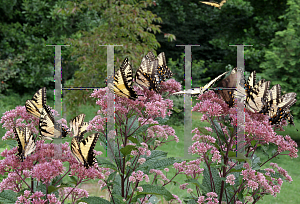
35	105
272	97
159	71
76	123
193	92
211	4
163	71
146	75
229	90
84	151
250	83
26	143
49	128
254	101
289	117
150	56
201	90
21	142
123	81
256	93
29	142
75	149
280	110
222	3
82	130
79	127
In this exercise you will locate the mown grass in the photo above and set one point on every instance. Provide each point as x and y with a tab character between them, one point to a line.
289	192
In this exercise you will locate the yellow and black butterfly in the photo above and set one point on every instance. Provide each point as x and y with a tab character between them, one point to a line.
272	97
214	3
278	109
279	115
26	142
49	128
146	75
255	93
201	90
163	72
288	116
79	127
122	83
84	150
35	105
229	89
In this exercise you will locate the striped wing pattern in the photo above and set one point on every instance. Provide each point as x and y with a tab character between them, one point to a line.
84	151
49	128
79	127
26	142
35	105
122	83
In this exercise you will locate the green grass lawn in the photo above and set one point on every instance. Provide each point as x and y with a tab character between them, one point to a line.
289	192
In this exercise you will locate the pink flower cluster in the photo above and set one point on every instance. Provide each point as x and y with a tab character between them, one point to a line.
36	198
257	128
138	177
73	193
211	198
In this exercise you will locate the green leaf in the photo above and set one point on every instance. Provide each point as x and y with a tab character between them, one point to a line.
53	188
11	143
206	182
143	128
219	148
235	170
73	179
8	196
127	150
133	124
253	142
217	129
161	120
134	140
238	156
106	163
111	176
196	183
215	165
204	131
118	198
157	164
191	201
156	190
240	195
94	200
255	162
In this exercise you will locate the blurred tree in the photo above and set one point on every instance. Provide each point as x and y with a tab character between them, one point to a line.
26	27
282	57
126	23
238	22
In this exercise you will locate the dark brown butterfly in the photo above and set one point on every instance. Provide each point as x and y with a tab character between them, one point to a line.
229	89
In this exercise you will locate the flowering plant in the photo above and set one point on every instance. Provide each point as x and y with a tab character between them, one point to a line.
42	176
139	130
229	176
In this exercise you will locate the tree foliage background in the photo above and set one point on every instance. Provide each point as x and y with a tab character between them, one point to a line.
271	26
